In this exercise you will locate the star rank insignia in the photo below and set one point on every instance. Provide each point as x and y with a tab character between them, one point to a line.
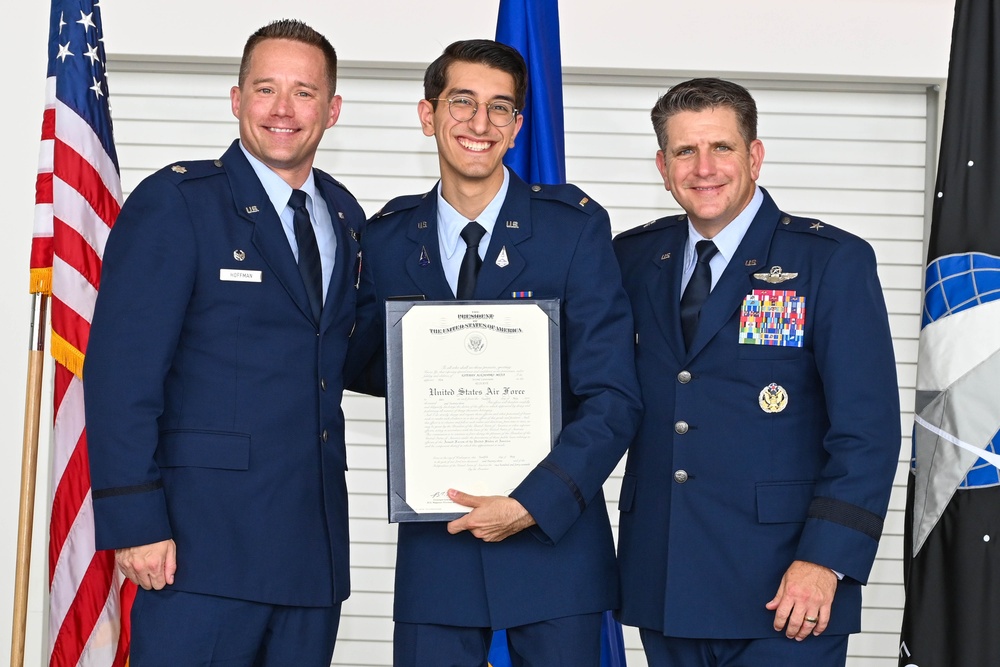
817	225
775	275
179	169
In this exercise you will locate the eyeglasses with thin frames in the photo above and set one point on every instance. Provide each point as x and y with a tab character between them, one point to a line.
500	112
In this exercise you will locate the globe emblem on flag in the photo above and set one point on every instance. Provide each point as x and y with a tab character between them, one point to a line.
956	283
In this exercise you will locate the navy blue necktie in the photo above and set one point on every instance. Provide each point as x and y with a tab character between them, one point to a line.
310	266
472	235
697	290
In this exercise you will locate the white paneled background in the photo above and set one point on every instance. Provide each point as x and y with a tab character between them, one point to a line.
851	153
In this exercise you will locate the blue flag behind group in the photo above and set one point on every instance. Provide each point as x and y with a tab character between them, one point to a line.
532	27
539	156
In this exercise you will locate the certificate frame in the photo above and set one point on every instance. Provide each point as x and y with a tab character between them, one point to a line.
466	316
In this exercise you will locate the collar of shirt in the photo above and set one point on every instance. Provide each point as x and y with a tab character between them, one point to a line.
727	241
451	223
278	192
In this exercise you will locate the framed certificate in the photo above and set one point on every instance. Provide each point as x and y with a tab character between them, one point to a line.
473	399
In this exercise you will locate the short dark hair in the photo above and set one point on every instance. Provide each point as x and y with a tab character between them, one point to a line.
483	52
296	31
701	94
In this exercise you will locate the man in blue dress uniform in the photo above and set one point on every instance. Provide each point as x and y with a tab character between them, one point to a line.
539	562
755	490
213	381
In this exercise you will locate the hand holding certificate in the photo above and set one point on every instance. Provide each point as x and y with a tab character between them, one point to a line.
473	393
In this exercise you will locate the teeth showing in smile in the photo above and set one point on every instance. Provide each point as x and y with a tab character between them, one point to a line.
475	145
281	130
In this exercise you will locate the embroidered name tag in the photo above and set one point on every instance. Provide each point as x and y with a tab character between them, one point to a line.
240	275
773	317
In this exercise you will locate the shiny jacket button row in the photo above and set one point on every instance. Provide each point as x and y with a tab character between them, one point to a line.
681	428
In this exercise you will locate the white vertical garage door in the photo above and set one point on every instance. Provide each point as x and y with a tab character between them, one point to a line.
852	154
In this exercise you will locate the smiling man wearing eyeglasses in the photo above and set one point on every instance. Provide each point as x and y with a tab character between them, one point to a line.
540	561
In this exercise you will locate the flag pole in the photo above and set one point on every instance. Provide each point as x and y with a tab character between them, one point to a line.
29	468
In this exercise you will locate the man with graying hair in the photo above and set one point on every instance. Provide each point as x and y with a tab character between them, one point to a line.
754	494
214	380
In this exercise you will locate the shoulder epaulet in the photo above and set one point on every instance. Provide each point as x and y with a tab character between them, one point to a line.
654	225
794	223
566	193
398	204
182	171
330	179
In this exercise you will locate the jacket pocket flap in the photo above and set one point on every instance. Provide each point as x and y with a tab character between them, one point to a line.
204	449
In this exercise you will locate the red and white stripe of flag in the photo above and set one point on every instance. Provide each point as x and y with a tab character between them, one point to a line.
78	196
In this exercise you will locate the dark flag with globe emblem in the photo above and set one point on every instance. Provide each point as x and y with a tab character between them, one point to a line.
952	542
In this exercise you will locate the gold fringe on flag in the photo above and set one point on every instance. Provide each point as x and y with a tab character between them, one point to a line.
67	355
41	281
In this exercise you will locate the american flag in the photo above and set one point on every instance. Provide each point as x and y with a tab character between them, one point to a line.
77	198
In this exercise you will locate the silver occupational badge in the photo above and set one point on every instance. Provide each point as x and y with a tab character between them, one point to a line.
773	398
775	275
502	260
239	255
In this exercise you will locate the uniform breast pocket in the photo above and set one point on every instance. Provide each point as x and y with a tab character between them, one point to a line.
203	449
771	352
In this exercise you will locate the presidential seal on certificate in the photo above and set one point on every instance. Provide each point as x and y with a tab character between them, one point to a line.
472	398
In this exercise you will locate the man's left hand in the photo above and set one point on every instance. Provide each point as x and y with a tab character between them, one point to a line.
493	518
806	592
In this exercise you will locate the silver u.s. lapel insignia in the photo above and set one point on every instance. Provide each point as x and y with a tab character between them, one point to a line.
775	275
773	398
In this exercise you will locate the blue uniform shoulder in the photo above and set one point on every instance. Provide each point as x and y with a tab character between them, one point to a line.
398	205
178	172
654	226
818	228
333	181
565	193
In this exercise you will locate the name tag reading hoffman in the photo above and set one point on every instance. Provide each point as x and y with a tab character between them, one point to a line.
473	400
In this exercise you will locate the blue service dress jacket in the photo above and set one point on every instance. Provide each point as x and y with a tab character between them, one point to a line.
213	395
558	246
751	456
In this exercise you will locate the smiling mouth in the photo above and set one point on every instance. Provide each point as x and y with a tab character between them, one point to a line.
280	130
477	146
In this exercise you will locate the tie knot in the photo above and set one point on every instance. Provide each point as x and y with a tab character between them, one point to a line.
297	200
706	250
473	234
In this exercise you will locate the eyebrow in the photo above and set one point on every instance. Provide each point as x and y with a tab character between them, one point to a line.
271	79
471	93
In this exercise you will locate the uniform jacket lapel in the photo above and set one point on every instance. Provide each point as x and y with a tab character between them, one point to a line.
666	262
345	269
253	205
423	262
736	281
504	262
